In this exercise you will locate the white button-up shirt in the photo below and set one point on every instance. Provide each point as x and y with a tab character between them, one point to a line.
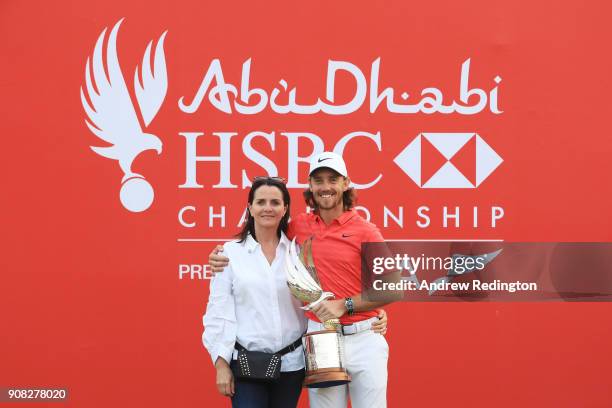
250	302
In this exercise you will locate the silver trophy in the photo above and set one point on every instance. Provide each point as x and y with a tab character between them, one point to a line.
324	349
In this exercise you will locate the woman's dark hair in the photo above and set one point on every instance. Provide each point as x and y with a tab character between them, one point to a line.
249	225
349	199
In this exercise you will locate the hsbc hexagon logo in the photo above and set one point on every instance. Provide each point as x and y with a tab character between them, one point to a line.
448	160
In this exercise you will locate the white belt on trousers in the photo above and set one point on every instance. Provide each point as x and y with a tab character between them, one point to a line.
348	329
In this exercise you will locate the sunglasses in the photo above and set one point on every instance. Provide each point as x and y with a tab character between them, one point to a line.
266	178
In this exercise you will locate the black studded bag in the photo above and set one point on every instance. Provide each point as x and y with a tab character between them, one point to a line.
260	366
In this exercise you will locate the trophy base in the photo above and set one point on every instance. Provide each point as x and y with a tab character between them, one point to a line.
324	359
326	377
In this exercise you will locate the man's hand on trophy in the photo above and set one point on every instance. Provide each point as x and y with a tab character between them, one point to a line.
217	261
329	309
380	326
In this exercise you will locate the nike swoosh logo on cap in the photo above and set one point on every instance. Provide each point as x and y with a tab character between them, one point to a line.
326	158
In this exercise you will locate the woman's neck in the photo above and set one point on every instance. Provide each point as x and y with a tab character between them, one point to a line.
266	236
268	241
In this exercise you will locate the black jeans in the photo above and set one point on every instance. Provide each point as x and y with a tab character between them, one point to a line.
283	393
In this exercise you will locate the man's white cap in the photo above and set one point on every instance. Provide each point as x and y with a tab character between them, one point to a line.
328	160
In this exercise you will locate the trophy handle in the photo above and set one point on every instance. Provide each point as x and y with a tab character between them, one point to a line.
324	296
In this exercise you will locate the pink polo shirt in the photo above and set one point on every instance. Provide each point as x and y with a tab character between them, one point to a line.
336	250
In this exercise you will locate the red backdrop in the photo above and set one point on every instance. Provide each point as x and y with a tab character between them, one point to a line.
91	295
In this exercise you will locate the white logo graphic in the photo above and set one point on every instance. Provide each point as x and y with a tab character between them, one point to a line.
448	176
113	118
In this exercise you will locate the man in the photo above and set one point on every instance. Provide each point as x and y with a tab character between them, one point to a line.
337	233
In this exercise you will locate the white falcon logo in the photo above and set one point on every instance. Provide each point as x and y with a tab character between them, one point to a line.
112	117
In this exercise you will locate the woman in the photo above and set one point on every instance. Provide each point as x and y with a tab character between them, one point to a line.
250	306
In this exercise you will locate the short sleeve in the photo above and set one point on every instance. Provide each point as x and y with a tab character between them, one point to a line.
374	234
378	248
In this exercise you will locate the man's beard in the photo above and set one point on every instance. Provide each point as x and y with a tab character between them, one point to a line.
336	201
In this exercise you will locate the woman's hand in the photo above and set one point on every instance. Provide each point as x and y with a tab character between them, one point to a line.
225	378
381	325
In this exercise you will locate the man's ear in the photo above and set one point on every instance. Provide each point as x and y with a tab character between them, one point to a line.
347	183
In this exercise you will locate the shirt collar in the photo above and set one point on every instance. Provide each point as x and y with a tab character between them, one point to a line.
342	219
251	244
347	215
284	241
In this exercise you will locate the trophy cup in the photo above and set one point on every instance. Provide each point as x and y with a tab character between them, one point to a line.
324	349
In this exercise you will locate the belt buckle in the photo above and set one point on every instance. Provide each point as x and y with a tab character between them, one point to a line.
351	332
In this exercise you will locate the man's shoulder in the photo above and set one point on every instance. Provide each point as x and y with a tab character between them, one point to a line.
360	221
366	228
301	218
300	226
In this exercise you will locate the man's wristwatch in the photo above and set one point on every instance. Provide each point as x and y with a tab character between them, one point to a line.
348	303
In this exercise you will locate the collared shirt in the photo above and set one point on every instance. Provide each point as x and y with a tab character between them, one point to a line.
336	250
250	302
